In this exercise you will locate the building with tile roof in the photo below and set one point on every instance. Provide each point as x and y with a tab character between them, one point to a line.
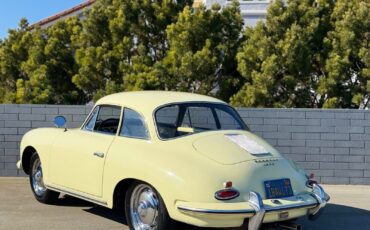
251	10
74	11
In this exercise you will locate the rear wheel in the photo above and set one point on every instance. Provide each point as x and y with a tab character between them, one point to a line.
145	209
41	193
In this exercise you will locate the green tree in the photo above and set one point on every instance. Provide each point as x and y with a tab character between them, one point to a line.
120	42
347	83
50	66
201	58
307	54
34	87
37	65
123	45
13	51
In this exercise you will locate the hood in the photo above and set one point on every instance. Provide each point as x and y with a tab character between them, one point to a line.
230	148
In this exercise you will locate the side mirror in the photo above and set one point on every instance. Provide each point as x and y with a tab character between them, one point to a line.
60	121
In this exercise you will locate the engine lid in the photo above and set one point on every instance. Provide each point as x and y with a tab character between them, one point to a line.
230	148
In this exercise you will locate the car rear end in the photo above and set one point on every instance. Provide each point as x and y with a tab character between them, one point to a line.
270	189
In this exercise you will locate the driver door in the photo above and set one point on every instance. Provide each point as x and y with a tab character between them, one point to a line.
78	156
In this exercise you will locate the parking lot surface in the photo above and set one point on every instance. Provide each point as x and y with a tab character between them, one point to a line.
349	208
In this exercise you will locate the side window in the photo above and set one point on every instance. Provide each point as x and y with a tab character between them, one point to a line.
105	119
133	125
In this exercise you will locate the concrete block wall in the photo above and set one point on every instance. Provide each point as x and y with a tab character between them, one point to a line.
333	144
16	120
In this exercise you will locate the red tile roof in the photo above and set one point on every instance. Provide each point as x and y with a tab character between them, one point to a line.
63	13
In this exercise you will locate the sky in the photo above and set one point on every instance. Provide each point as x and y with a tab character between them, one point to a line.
11	11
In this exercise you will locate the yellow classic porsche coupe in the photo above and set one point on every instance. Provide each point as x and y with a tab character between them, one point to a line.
169	157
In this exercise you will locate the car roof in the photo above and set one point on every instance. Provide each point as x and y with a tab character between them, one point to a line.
147	101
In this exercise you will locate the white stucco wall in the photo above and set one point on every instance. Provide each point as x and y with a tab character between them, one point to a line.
251	10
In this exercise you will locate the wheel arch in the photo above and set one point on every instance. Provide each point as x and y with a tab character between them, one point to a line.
26	158
120	192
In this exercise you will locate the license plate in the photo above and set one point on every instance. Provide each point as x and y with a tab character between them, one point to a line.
283	215
278	188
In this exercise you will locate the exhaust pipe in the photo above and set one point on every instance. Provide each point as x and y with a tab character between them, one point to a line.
289	226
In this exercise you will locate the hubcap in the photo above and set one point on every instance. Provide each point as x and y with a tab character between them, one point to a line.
37	179
144	208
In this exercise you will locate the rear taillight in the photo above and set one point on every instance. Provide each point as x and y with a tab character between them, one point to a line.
226	194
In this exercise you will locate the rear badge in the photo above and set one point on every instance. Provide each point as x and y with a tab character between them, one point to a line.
269	164
283	215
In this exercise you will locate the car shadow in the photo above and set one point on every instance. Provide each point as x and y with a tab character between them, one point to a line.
113	215
70	201
334	216
337	217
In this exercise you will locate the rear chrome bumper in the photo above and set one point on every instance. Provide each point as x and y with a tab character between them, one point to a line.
322	199
315	209
257	212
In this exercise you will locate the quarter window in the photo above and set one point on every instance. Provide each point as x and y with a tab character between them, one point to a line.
133	125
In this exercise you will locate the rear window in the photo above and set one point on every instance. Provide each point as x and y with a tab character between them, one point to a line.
177	120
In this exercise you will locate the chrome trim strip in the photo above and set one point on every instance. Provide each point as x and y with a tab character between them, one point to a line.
246	211
292	206
103	203
213	211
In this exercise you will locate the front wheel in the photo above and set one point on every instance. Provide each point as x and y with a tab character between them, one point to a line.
41	193
145	209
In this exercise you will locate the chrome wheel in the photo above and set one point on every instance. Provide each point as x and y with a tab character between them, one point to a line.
144	208
37	179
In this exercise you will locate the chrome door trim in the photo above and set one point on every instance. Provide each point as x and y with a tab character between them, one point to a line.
102	203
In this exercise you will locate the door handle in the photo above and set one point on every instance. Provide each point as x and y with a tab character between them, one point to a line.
99	154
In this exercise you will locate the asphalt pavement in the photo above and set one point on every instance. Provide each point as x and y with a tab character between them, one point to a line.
349	208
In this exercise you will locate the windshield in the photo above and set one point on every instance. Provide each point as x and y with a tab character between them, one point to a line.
181	119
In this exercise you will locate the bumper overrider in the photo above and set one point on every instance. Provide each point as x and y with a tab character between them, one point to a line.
260	211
